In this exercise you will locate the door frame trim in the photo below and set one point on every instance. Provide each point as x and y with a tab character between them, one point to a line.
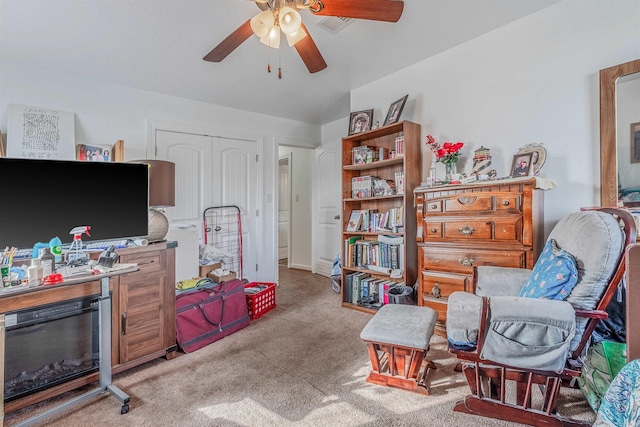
289	157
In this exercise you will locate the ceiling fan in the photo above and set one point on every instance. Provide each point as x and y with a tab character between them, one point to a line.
283	16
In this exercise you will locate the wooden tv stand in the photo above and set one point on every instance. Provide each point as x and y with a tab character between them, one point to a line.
142	313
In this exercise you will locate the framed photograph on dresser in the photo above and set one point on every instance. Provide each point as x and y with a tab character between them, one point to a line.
521	165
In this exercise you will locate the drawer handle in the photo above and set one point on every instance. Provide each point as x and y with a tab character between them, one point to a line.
467	262
433	206
124	323
436	290
466	230
146	262
434	230
505	203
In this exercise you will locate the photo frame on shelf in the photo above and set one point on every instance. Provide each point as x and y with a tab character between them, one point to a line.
395	110
360	121
635	142
94	153
538	156
521	165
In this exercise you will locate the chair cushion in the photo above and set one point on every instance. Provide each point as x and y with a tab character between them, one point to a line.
401	324
525	333
596	242
554	275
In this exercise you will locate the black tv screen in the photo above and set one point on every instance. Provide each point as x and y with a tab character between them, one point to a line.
42	199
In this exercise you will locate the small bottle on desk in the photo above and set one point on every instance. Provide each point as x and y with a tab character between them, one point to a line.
48	262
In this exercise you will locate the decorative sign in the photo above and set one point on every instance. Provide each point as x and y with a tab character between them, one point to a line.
38	133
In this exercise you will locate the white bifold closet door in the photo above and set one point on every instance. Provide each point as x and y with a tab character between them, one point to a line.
214	171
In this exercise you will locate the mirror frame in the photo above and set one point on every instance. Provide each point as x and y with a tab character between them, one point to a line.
608	144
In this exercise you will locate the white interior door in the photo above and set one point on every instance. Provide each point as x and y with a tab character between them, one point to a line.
214	171
327	226
284	206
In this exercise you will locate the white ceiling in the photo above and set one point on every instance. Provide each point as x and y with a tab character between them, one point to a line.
158	45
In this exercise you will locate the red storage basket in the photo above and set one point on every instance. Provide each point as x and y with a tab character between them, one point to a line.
261	302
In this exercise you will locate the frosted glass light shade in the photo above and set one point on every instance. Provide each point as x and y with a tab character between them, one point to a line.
263	23
273	39
296	37
289	19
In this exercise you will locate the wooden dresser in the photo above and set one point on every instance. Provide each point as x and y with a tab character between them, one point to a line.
463	226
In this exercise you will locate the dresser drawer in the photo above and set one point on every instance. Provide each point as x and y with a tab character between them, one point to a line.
499	229
441	285
463	260
469	203
150	264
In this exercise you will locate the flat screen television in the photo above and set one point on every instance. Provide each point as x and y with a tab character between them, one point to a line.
42	199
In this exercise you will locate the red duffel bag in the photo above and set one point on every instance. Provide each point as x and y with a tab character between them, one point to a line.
208	314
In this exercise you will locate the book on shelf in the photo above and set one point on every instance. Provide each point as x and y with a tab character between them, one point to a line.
363	154
349	251
399	145
355	220
399	180
362	186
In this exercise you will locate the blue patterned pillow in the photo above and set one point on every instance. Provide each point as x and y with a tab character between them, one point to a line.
554	275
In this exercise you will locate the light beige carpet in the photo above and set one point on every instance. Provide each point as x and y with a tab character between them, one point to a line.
301	364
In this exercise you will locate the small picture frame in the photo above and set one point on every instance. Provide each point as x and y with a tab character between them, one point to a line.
635	142
521	165
93	153
395	110
360	121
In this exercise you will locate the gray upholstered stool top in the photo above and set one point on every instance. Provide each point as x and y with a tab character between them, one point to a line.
401	324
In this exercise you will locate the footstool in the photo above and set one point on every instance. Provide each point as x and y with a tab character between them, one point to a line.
398	340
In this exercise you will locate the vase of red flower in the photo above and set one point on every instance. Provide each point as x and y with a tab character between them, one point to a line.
447	153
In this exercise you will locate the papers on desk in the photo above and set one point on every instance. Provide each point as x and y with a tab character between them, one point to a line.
115	268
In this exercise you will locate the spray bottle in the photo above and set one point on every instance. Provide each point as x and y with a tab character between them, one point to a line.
75	250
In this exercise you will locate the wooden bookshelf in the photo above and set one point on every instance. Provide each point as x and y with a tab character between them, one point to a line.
409	164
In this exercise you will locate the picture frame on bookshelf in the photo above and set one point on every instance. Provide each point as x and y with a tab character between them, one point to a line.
354	221
395	110
360	121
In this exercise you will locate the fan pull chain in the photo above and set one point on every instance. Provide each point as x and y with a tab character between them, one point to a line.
268	60
279	64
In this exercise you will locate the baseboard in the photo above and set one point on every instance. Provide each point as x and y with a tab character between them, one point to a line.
300	267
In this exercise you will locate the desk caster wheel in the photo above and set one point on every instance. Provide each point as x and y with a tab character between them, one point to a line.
124	409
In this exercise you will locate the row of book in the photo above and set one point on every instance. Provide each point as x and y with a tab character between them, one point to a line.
372	221
384	254
362	286
400	145
372	186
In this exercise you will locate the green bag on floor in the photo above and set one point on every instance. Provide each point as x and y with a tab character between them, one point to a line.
603	362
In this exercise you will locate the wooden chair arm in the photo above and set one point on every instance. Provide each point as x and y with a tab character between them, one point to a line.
592	314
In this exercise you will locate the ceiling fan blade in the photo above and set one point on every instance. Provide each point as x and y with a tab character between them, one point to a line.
229	44
376	10
309	53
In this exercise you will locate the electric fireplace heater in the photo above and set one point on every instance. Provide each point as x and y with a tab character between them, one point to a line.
49	345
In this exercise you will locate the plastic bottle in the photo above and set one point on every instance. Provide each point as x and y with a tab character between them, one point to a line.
55	245
48	262
34	273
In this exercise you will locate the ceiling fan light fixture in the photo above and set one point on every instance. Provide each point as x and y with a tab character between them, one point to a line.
296	37
273	39
263	23
289	19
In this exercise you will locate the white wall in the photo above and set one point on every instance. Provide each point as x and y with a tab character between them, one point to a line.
105	113
534	80
301	169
